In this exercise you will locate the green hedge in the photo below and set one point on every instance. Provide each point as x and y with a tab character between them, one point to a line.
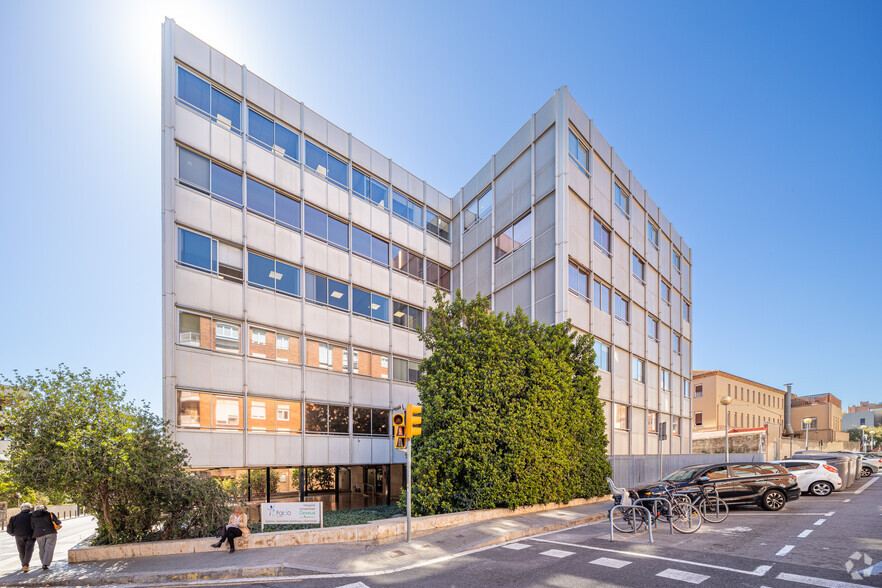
511	415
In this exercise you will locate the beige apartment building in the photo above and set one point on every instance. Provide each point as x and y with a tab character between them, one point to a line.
753	404
825	412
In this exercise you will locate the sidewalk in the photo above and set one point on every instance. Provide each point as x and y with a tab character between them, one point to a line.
308	559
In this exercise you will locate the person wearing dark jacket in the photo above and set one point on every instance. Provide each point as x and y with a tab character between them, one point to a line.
43	523
20	527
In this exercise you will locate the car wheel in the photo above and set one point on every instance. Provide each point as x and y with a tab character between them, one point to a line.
821	488
773	500
866	472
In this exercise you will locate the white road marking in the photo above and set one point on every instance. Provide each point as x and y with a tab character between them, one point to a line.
610	562
865	486
830	514
557	553
356	585
683	576
816	581
759	571
516	546
780	513
805	534
820	522
847	500
785	550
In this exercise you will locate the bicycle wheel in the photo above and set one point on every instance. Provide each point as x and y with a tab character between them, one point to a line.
714	510
686	518
628	521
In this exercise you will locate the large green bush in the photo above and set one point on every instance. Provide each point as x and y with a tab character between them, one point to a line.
74	434
511	415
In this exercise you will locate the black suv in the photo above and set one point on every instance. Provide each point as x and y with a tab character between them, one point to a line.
767	485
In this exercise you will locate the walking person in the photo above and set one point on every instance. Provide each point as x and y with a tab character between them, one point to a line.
236	527
45	525
20	527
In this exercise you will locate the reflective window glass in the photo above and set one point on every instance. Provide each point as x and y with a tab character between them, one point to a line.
578	281
316	417
225	110
361	242
193	169
622	200
287	142
361	302
380	307
379	193
261	271
602	236
652	233
287	278
316	288
601	355
260	128
315	222
338	294
338	419
197	250
621	308
194	90
600	299
638	268
226	184
523	230
338	171
361	184
338	233
287	211
261	198
316	158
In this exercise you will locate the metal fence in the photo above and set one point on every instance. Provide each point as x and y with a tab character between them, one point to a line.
632	470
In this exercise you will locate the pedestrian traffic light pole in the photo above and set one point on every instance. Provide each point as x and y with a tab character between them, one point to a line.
409	446
404	428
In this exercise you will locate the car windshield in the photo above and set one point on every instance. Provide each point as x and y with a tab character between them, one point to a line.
682	475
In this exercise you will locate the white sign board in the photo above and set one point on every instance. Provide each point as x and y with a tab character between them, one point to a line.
291	513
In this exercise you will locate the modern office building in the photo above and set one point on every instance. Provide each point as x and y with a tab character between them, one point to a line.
753	404
298	263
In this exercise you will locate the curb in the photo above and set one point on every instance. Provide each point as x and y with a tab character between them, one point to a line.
280	571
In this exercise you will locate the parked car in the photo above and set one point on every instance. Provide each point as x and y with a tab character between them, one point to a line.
767	485
814	477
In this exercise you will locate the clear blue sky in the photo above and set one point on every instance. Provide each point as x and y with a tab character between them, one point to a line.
754	125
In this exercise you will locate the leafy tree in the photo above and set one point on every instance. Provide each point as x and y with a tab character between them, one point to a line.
855	435
511	415
75	434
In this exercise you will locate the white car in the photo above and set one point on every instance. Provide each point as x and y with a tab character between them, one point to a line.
815	477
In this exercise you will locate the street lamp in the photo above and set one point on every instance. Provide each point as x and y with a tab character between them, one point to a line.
806	421
863	437
726	401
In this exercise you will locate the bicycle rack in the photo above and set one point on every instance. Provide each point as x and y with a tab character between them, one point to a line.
655	519
634	507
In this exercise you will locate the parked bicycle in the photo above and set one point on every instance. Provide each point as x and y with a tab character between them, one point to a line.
681	514
712	508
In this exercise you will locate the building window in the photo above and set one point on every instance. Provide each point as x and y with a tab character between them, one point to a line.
478	210
578	153
863	421
623	417
367	188
407	209
686	385
322	290
437	225
652	328
699	391
406	316
322	226
652	421
623	201
621	309
366	245
675	342
602	237
370	305
666	293
666	380
638	370
698	421
601	355
367	363
270	415
207	254
204	98
514	236
206	176
687	311
406	262
652	234
812	425
202	410
438	275
370	421
268	344
327	418
405	370
578	281
205	333
675	426
267	202
675	260
327	356
638	268
601	296
273	136
272	274
327	165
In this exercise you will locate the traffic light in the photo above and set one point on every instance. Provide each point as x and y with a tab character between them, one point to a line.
414	421
398	430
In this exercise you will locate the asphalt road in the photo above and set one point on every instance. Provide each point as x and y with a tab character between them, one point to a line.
809	543
72	532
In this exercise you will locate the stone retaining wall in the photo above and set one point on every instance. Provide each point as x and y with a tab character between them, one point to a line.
375	532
